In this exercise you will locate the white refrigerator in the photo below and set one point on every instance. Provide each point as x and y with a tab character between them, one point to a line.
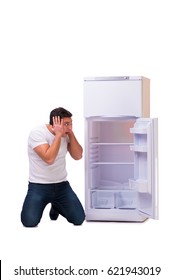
121	150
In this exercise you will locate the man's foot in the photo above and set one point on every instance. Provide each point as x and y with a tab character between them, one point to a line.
53	213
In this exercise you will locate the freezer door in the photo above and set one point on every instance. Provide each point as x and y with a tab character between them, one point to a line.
145	180
117	96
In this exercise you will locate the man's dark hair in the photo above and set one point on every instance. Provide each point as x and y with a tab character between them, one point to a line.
59	112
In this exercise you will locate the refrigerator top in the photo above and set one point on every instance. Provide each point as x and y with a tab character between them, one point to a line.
115	78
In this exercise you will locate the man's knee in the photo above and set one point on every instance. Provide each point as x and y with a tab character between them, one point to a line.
29	222
78	220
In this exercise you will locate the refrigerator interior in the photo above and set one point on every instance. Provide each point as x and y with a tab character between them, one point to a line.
118	161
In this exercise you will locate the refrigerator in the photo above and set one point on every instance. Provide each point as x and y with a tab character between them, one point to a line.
121	150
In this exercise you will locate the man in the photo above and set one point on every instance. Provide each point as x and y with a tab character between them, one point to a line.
47	148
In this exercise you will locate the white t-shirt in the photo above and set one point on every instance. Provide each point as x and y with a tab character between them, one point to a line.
40	171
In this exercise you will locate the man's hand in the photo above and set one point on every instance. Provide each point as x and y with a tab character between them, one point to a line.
58	127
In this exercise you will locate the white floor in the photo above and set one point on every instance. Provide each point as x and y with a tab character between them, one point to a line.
99	245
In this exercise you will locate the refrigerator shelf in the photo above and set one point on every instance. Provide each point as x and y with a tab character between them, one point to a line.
110	144
110	185
110	153
111	189
112	163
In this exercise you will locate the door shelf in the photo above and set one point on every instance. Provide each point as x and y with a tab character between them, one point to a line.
137	148
138	130
139	185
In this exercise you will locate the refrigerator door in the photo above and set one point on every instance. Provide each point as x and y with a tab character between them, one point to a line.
145	180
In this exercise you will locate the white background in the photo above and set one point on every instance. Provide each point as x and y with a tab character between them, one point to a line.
46	49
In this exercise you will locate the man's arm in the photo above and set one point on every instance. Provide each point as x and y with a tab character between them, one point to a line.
74	148
48	152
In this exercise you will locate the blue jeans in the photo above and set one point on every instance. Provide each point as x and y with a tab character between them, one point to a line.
60	195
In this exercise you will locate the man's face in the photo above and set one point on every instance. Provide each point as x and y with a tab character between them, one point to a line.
67	125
